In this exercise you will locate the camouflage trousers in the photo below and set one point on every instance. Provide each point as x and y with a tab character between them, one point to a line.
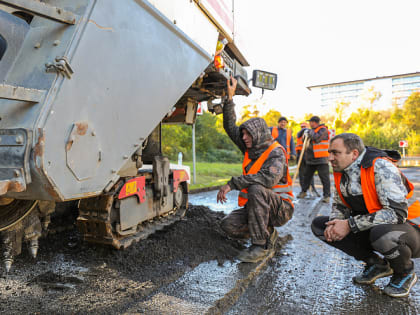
264	210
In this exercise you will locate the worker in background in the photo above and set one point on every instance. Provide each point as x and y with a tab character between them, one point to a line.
283	135
265	187
371	213
299	146
316	158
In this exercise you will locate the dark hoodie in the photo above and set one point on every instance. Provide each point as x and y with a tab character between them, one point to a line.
274	168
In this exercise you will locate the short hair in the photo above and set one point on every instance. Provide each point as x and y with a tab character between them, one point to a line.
351	141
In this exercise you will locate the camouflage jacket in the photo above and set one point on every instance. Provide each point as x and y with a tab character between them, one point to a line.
274	168
391	194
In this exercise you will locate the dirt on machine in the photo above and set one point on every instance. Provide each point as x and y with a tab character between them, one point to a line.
85	86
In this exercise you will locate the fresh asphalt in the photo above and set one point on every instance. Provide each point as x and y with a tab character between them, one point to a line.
310	277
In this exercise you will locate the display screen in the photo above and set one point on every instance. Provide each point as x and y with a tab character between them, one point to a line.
264	80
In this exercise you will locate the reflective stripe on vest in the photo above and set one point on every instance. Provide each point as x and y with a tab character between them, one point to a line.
284	190
275	135
321	149
370	196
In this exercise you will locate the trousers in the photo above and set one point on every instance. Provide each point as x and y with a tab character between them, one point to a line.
324	175
398	243
264	210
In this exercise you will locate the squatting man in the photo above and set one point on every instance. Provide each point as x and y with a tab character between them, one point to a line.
372	213
265	186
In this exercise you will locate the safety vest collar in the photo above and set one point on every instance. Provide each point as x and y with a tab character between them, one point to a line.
320	127
259	162
284	190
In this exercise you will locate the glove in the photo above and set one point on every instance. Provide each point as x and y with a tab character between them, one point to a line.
308	134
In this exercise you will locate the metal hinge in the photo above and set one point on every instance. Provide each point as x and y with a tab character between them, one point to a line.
60	65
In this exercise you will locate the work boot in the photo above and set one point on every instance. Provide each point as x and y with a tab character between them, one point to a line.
372	273
301	195
401	284
326	199
253	254
272	241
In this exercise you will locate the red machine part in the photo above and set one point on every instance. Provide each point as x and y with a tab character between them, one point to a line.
135	186
179	177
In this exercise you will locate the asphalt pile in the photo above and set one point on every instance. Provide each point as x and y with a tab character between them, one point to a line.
71	276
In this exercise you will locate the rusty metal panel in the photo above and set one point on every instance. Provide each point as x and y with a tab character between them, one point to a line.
14	158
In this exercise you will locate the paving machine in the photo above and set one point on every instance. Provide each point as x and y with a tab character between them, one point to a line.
85	86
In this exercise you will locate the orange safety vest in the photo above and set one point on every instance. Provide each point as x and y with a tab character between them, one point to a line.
284	190
370	196
299	144
275	134
321	149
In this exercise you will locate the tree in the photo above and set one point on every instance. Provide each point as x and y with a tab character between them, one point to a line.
339	109
369	96
272	117
411	112
248	111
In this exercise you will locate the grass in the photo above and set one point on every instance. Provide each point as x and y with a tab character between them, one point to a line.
213	174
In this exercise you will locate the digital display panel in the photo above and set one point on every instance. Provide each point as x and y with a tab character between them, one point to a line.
264	80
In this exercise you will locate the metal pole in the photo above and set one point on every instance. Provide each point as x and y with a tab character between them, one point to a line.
193	149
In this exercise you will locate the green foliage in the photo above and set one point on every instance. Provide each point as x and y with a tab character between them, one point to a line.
384	129
411	110
211	141
213	174
177	138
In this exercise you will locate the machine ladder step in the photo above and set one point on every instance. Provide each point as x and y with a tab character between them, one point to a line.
42	9
18	93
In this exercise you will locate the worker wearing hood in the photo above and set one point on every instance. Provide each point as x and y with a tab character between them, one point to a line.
265	188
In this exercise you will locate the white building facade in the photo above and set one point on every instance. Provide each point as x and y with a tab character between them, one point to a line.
380	92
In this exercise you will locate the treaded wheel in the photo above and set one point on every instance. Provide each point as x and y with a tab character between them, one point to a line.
180	197
14	212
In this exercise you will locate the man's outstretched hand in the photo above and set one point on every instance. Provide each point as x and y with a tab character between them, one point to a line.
221	195
231	88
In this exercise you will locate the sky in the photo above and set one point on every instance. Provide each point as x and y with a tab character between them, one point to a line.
312	42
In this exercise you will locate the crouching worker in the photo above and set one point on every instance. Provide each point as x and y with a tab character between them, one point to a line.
265	186
371	213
